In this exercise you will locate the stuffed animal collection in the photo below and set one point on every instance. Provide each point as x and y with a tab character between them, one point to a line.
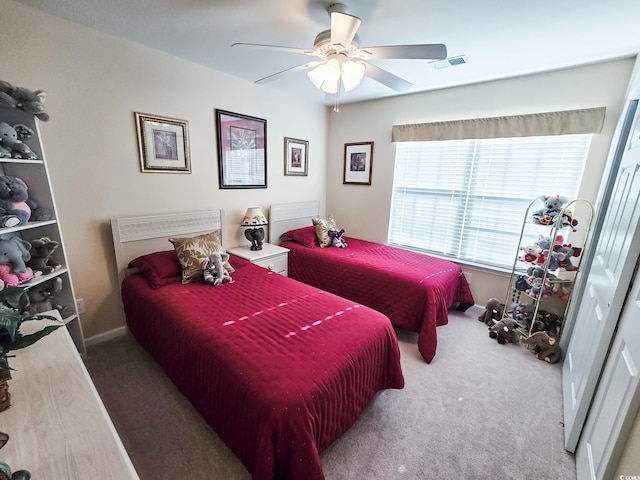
544	347
31	101
42	255
505	331
493	312
11	141
14	252
15	201
41	298
337	239
214	271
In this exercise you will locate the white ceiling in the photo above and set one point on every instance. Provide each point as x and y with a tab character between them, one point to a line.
500	38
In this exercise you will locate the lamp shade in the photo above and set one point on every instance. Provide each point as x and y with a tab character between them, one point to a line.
254	217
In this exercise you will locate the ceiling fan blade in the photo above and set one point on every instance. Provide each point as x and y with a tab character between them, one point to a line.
434	51
386	78
275	47
343	28
274	76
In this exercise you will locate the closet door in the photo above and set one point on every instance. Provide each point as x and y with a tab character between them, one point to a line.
614	258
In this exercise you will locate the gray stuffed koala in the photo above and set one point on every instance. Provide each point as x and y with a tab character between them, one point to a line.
213	269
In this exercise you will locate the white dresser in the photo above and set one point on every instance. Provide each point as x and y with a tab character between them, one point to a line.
57	424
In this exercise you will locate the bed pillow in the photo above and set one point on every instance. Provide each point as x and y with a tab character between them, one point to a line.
159	268
192	251
322	227
305	236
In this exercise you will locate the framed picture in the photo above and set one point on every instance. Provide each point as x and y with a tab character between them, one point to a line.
358	160
163	143
242	150
296	156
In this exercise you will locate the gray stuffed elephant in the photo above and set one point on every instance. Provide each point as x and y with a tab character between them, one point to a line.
213	269
15	251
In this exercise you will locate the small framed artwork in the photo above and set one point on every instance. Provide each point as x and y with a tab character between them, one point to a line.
296	156
358	161
163	143
242	150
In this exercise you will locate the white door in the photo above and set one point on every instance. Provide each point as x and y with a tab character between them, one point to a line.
617	399
614	258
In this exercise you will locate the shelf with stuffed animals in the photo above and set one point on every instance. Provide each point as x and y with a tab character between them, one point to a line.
32	253
550	251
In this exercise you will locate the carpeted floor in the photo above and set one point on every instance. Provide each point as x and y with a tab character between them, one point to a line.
480	410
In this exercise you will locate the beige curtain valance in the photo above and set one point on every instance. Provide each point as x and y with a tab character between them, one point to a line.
588	120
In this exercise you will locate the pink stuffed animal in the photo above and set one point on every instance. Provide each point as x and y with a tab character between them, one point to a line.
11	278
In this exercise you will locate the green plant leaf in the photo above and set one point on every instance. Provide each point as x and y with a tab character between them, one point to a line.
22	341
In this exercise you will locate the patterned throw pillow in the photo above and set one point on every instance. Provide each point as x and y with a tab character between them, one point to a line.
192	251
322	227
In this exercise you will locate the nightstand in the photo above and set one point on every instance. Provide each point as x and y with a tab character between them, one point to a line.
273	257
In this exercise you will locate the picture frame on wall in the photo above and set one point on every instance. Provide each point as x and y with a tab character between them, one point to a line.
296	156
358	162
163	144
242	150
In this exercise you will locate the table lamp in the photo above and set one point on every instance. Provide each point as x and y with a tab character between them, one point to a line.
254	218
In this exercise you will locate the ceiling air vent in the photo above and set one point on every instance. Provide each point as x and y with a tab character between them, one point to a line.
450	62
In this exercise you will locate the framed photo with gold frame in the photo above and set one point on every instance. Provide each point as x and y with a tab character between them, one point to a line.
296	156
358	162
163	144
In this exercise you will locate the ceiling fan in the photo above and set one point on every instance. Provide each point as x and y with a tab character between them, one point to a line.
342	62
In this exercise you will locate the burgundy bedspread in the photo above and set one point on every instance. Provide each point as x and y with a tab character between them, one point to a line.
279	369
414	290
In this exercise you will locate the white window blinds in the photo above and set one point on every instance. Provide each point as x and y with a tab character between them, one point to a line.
465	199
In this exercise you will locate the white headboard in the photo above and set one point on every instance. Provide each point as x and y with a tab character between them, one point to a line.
287	216
135	236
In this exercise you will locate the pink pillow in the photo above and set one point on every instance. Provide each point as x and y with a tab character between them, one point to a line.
305	236
159	268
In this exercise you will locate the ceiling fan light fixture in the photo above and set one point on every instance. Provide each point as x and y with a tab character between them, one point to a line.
326	76
352	73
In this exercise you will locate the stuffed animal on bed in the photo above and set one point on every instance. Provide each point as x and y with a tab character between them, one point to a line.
213	269
336	238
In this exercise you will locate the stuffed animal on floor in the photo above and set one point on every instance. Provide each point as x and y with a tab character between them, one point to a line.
522	313
493	312
543	346
42	255
505	331
214	271
336	238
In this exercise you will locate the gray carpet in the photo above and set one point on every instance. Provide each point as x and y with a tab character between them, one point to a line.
480	410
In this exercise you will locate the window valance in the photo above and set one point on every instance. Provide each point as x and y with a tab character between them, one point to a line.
568	122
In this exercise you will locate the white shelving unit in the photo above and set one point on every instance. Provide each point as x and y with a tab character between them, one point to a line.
557	282
36	175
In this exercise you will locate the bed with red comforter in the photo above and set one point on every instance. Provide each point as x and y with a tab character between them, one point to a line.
414	290
278	368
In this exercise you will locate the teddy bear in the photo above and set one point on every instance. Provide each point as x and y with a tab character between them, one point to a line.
213	269
564	253
553	205
14	200
42	255
31	101
549	322
336	238
11	141
493	311
14	252
41	298
505	330
543	346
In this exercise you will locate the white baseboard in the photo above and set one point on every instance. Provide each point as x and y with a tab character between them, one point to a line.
103	337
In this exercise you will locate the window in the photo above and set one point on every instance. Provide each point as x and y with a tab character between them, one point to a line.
466	199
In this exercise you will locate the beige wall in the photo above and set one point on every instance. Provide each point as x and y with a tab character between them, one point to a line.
590	86
94	83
